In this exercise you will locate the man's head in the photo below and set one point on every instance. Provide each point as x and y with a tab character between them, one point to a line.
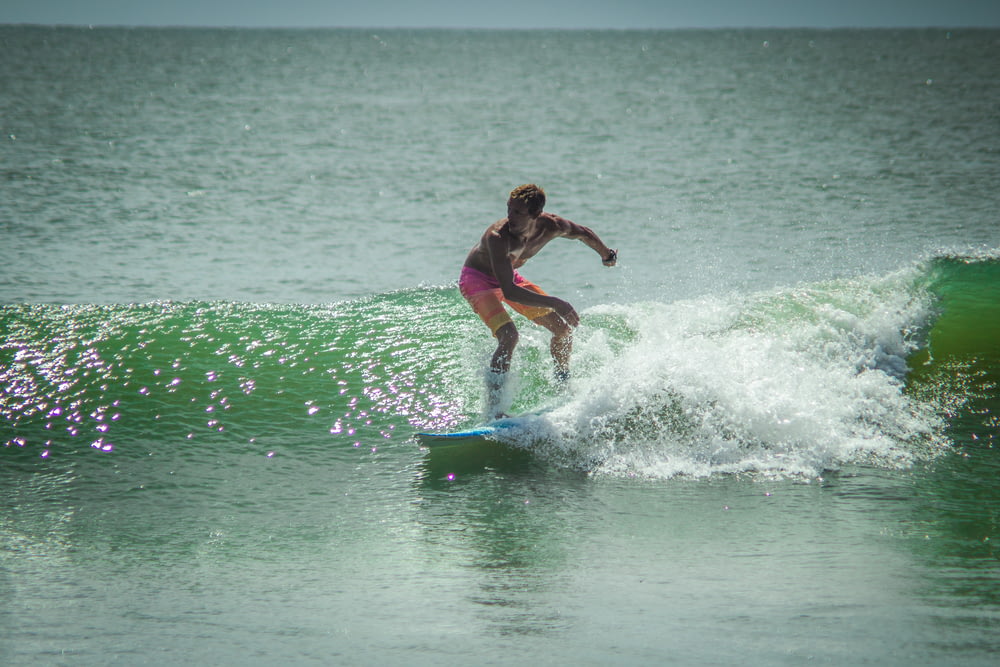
531	196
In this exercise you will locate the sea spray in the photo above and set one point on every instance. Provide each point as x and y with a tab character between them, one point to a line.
793	381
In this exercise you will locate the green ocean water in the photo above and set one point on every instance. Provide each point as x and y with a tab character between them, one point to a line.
252	467
228	303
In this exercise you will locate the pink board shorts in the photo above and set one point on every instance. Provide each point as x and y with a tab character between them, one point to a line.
486	298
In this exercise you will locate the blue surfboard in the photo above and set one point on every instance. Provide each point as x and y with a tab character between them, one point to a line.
489	431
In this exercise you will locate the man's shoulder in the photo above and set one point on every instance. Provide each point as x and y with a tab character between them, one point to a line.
498	228
556	223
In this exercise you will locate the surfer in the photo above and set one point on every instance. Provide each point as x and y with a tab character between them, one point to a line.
490	278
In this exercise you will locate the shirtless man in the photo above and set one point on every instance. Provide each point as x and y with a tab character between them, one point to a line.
489	279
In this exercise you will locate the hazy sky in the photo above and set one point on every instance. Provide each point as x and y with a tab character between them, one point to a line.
507	13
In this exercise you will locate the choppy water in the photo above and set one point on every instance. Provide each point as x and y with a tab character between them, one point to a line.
229	303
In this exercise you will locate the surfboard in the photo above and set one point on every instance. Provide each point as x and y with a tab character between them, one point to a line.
488	431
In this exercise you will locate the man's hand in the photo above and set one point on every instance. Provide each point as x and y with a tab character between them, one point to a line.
568	313
611	259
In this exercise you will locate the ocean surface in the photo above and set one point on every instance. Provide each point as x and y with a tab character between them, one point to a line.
228	302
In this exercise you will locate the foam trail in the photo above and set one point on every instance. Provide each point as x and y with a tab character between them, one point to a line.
794	381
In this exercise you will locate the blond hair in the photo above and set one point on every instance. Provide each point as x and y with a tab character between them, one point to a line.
532	195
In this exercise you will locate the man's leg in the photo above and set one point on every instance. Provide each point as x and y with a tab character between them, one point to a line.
497	397
561	345
507	337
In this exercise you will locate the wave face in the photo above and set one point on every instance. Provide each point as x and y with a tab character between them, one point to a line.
882	370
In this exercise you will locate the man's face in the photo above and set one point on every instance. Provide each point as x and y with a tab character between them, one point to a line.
517	211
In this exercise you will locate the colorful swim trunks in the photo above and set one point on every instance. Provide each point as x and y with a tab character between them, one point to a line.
486	298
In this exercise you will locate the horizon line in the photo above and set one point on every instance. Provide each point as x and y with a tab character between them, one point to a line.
237	26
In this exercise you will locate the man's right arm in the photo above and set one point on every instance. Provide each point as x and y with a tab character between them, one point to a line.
503	270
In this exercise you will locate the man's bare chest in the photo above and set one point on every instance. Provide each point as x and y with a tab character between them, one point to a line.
526	245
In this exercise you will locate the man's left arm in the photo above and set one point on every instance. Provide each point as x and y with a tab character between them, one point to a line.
571	230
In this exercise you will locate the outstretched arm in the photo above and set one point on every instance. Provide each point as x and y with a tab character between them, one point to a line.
571	230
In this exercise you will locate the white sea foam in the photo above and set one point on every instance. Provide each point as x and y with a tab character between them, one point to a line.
795	381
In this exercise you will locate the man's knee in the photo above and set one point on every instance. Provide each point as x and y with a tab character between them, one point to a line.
562	331
507	336
556	325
